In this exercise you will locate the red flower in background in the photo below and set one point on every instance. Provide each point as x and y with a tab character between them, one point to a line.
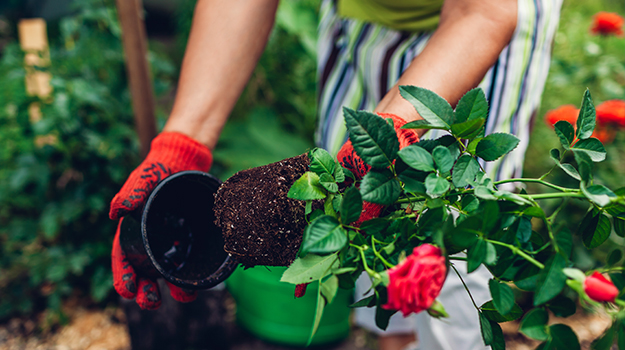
566	112
607	23
416	282
599	288
611	112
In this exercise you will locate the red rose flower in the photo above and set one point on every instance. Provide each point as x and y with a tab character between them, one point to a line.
416	282
566	112
611	112
607	23
599	288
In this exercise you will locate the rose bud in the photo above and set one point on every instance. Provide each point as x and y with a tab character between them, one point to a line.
599	288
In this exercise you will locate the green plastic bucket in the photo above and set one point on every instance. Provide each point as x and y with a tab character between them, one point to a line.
268	309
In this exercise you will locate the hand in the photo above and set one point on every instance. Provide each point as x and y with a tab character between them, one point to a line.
170	153
349	159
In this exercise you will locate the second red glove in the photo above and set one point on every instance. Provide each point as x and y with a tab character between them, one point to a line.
170	153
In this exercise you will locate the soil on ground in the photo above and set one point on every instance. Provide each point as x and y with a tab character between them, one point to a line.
260	224
98	329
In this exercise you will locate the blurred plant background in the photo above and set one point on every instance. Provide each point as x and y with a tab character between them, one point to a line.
581	60
58	174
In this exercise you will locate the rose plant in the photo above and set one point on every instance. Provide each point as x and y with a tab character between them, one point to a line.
440	206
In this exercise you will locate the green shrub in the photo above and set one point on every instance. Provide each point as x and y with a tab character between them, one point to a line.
55	235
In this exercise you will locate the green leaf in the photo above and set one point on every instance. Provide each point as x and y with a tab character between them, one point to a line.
551	280
565	132
310	268
473	145
373	139
321	304
534	324
615	256
327	181
596	229
382	317
599	194
568	168
475	255
491	254
592	147
422	124
472	106
411	185
324	235
503	297
351	206
469	203
443	159
486	329
584	165
562	306
619	226
468	129
496	145
586	118
339	173
428	104
489	310
321	162
563	338
329	288
417	158
365	302
307	187
499	342
436	185
380	187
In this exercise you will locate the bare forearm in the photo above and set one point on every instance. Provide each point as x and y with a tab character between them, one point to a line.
227	38
467	43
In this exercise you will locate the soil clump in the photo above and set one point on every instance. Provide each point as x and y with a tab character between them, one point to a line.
260	224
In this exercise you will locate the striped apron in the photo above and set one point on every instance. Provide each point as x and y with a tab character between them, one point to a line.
358	62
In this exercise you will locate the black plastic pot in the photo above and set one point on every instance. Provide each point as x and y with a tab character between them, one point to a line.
175	237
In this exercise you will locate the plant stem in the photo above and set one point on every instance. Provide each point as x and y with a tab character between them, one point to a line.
364	260
576	194
539	181
378	255
519	252
610	269
465	287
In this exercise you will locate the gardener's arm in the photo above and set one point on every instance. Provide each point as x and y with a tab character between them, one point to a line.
227	38
468	41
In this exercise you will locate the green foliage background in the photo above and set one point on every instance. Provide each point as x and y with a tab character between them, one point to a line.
55	234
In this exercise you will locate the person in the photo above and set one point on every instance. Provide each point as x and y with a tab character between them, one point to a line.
366	50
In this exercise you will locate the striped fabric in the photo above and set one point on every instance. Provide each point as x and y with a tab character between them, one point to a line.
358	62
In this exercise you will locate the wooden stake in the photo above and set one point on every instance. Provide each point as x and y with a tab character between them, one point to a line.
135	50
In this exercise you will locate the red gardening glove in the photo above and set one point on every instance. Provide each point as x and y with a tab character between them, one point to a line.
170	153
349	159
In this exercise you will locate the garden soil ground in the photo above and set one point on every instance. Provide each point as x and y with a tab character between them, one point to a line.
106	329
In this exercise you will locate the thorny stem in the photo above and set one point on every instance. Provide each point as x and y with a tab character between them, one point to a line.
378	255
465	287
539	181
519	252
